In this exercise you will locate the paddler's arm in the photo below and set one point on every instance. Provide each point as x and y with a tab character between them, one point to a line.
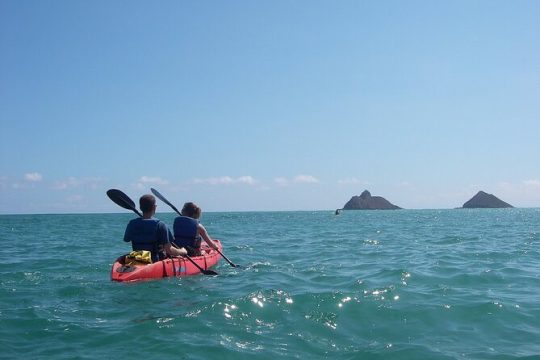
167	243
206	237
172	251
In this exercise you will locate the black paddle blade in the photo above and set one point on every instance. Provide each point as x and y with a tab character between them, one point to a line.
162	198
122	200
209	272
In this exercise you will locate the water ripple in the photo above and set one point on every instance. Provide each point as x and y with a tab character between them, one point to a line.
444	284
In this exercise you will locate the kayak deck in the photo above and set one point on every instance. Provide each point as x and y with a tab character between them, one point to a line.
123	272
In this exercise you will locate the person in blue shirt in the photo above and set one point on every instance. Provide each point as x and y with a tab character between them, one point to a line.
149	233
189	232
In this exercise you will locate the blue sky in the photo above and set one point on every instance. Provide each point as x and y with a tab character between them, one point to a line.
268	105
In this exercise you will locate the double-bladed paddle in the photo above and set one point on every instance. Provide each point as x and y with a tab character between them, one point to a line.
162	198
122	200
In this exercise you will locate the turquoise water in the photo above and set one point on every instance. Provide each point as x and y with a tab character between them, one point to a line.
407	284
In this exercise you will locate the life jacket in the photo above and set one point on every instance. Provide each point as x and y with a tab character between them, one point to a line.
145	237
185	232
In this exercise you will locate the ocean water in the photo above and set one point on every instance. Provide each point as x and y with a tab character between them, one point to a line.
407	284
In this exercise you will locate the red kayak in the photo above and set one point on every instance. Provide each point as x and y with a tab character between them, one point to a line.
165	268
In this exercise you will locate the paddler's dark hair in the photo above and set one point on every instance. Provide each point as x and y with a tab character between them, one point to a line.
191	210
147	202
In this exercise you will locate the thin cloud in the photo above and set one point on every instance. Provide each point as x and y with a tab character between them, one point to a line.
352	181
75	199
532	182
153	180
145	181
33	177
70	182
74	182
226	180
405	185
299	179
281	181
305	179
246	180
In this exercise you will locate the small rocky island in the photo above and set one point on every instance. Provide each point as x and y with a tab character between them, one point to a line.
367	202
485	200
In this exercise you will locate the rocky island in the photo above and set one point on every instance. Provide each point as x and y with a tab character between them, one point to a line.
485	200
367	202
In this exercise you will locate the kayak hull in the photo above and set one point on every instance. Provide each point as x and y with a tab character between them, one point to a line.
165	268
